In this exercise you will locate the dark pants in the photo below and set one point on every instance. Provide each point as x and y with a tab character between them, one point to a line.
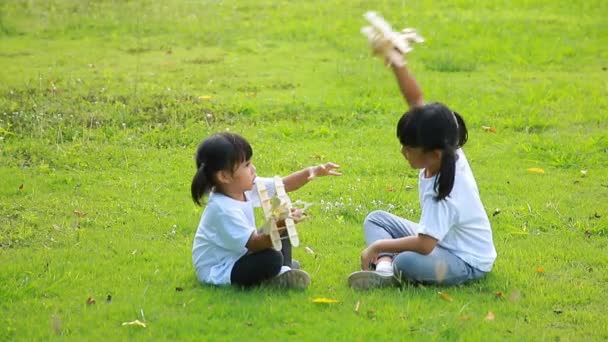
253	268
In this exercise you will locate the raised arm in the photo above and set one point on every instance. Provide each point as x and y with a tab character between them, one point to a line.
409	87
297	179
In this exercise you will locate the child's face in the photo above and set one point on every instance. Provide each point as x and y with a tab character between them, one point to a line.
418	158
243	176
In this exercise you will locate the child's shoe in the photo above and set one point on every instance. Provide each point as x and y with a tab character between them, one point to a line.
291	279
365	280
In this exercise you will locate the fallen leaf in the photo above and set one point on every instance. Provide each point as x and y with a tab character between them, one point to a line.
536	170
204	97
496	212
499	295
583	173
21	187
91	301
490	316
464	317
540	270
489	129
135	322
371	314
323	300
357	306
445	296
390	189
80	213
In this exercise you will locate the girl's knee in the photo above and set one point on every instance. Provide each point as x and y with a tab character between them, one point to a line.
374	217
275	260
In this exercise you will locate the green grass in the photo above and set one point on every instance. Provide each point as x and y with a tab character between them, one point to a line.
101	109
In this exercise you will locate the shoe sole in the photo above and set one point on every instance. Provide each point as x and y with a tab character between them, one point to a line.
365	280
292	279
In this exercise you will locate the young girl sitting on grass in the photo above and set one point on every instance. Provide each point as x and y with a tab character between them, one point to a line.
452	243
227	247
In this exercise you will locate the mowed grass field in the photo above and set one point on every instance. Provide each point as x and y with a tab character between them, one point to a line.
102	105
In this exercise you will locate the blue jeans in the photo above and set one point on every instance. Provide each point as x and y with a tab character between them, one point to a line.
439	267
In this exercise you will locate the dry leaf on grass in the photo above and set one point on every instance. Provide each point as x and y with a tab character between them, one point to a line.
489	129
135	322
323	300
445	296
490	316
536	170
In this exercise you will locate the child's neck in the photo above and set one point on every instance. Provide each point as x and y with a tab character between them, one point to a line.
234	194
431	170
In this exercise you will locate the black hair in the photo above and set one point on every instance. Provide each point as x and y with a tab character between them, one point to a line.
221	151
434	126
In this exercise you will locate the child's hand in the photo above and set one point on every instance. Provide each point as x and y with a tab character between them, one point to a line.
368	256
298	215
323	170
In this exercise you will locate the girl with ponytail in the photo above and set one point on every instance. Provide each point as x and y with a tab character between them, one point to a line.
227	247
452	243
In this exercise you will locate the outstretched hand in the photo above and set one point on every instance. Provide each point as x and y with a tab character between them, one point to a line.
323	170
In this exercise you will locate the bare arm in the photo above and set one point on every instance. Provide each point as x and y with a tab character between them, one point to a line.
297	179
422	244
258	242
410	89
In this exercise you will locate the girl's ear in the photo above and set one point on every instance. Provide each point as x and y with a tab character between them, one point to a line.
437	155
223	176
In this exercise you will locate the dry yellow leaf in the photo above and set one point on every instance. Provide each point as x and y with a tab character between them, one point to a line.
536	170
324	300
489	129
490	316
204	97
445	296
540	270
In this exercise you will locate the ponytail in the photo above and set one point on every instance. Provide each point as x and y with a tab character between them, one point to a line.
445	179
201	184
463	134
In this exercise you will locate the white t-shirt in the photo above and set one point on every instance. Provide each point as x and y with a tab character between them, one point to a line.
459	222
223	232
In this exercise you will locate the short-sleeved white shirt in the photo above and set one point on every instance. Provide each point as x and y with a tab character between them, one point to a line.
223	232
459	222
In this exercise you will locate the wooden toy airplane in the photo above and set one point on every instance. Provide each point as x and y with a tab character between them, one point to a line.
278	208
393	45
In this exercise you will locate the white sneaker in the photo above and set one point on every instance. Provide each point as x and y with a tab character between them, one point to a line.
291	279
365	280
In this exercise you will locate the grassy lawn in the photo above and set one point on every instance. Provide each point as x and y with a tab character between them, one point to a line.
102	104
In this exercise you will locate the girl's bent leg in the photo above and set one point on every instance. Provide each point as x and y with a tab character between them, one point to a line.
253	269
381	225
440	267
